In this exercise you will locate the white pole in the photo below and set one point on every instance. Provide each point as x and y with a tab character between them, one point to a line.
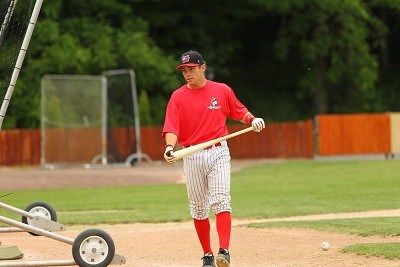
20	60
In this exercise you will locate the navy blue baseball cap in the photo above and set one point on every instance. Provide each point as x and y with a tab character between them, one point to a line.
190	59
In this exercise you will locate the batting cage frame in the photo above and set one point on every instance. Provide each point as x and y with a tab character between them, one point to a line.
22	52
70	119
139	155
64	91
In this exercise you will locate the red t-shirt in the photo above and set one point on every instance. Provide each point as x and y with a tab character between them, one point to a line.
199	115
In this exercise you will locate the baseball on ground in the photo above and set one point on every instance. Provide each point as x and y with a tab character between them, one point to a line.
325	246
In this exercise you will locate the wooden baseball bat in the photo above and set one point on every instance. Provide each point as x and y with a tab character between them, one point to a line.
192	149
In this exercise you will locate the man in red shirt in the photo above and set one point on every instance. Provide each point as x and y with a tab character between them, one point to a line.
196	113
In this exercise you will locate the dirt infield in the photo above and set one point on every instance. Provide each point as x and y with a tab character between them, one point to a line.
176	244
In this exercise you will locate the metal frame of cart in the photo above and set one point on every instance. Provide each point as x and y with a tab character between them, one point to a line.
91	248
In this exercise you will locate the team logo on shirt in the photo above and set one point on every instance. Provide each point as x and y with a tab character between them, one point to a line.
214	104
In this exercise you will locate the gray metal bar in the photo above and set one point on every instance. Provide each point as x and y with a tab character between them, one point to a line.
117	260
136	114
42	123
10	230
104	127
16	210
39	263
36	230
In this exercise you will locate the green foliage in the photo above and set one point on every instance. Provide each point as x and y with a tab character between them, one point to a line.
144	109
332	40
154	69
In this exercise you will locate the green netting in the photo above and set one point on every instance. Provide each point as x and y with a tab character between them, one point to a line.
14	19
73	118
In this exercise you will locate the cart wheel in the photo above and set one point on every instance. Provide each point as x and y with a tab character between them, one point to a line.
42	209
93	247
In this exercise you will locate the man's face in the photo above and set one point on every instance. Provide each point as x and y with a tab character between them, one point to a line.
194	76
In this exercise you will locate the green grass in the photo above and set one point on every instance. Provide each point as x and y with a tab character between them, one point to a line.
122	204
264	191
300	188
386	250
383	226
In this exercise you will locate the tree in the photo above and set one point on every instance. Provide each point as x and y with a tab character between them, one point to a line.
388	12
330	40
289	59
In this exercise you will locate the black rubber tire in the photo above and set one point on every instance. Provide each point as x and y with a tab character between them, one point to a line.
41	206
97	242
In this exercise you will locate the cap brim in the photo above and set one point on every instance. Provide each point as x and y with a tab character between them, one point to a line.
186	65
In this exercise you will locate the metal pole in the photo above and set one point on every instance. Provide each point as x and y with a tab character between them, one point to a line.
39	263
16	210
42	123
104	126
136	115
36	230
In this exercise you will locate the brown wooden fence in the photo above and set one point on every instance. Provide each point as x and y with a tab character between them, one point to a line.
72	145
278	140
351	134
354	134
19	147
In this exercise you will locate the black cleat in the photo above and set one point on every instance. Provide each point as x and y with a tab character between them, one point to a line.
223	258
208	260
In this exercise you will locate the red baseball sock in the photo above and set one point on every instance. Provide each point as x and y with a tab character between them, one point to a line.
203	232
224	229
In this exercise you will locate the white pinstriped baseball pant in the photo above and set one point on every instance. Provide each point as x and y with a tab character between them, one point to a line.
208	179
